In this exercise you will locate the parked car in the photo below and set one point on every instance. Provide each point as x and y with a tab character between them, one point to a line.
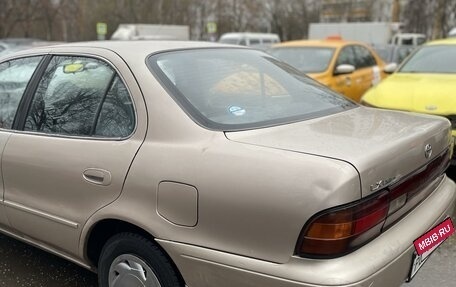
425	83
6	48
452	33
347	67
195	164
255	40
408	39
393	53
11	45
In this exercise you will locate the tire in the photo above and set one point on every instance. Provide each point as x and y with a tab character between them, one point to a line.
130	260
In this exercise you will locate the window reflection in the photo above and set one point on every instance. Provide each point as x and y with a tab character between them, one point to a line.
117	115
14	77
75	94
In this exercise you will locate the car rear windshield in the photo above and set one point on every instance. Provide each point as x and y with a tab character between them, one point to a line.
234	89
432	59
305	59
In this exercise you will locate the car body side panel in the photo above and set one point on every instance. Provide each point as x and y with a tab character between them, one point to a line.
247	202
55	198
4	135
277	183
362	82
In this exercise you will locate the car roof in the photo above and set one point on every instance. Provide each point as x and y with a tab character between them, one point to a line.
330	43
128	49
448	41
249	34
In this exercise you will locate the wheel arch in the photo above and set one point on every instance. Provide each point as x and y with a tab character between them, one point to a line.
104	229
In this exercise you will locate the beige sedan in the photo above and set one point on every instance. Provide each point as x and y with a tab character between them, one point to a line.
194	164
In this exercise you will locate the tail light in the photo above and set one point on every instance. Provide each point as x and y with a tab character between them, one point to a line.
340	230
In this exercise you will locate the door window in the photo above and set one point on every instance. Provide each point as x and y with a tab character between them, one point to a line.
254	41
75	94
14	77
364	57
346	57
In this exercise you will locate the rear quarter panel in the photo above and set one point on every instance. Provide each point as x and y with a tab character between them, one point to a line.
252	200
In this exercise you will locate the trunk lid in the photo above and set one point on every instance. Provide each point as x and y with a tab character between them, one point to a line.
382	145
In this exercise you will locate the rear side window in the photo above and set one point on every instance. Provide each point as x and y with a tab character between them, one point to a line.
116	118
14	77
74	98
254	41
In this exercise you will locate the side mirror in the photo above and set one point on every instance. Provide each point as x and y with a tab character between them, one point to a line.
390	68
344	69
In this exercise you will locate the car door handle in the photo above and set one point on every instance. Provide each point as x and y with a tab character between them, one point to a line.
97	176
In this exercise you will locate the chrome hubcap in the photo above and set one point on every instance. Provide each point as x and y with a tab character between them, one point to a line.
130	271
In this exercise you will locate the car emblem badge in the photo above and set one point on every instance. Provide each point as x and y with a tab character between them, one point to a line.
427	151
431	108
383	183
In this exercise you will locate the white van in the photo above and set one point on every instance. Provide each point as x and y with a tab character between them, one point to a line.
452	33
260	40
408	39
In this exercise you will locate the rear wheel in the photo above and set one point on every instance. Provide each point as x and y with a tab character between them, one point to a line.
130	260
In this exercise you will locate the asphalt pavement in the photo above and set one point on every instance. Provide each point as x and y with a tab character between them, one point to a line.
22	265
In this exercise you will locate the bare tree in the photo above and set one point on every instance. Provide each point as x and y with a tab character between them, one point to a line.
432	17
9	17
75	20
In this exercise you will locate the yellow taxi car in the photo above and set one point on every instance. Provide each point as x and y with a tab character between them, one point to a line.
424	83
347	67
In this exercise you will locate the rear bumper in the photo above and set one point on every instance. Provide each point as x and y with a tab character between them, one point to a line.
385	261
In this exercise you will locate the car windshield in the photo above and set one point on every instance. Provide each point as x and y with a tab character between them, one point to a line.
432	59
233	89
305	59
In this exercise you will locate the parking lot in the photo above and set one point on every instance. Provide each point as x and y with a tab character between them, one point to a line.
261	142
